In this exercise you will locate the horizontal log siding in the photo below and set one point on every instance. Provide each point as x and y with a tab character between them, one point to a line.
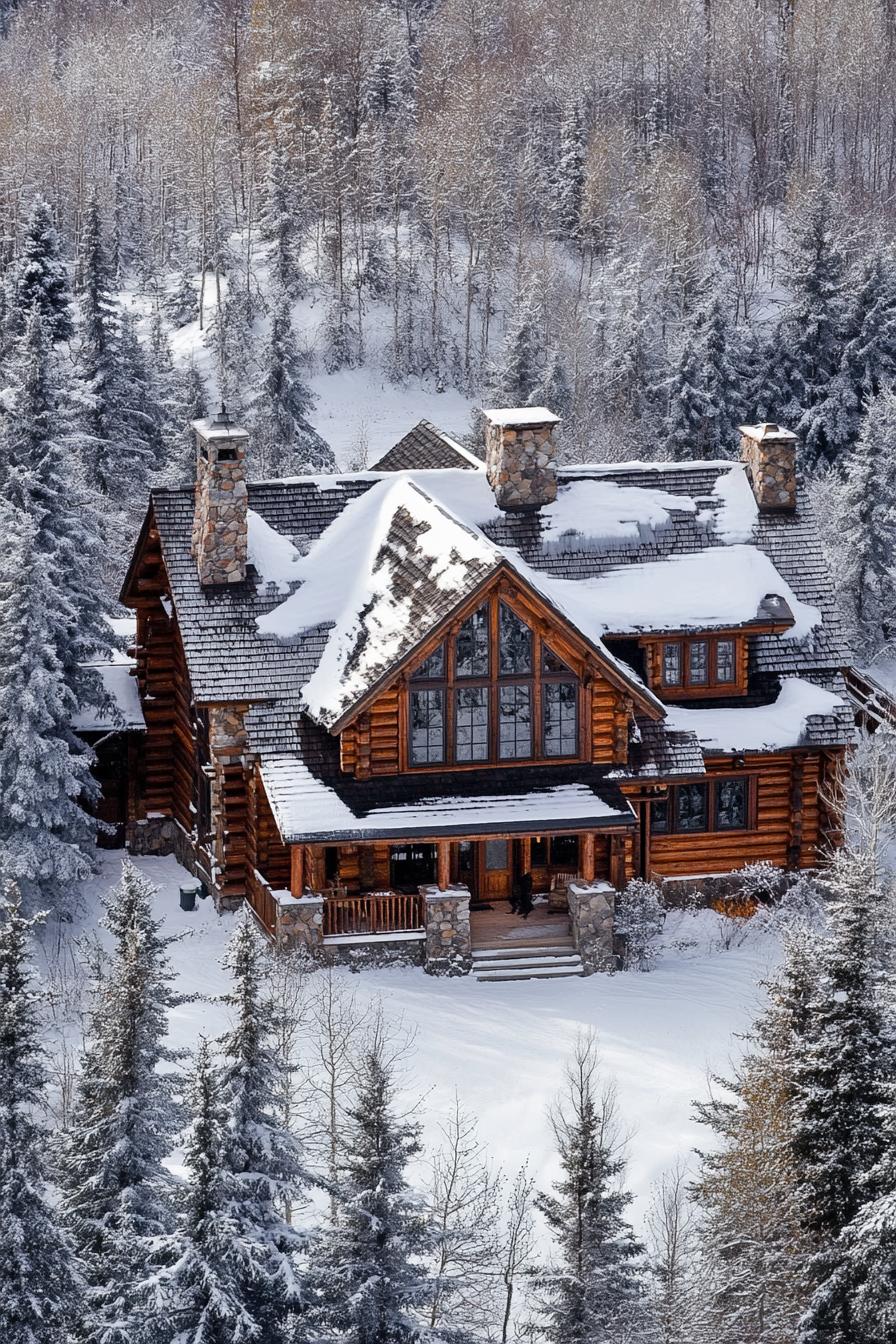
609	725
787	832
267	852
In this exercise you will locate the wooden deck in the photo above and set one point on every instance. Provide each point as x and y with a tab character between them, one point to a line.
501	927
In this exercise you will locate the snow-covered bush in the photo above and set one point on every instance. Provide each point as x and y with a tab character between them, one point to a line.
640	914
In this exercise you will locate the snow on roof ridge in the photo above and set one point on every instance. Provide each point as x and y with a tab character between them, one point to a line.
639	464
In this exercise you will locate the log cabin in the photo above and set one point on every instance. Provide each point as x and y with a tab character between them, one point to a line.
378	705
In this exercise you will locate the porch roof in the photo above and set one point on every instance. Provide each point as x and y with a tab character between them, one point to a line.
309	809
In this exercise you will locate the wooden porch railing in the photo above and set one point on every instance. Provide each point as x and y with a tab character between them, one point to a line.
375	912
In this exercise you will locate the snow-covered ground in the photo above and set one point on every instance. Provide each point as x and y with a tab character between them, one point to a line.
502	1046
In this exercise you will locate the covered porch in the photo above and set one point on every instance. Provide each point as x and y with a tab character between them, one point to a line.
380	887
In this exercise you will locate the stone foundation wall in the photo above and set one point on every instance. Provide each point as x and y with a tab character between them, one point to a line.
591	911
449	949
520	465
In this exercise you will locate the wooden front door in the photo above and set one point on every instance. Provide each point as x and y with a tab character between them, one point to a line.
495	870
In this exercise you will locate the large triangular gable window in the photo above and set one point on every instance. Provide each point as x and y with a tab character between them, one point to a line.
496	692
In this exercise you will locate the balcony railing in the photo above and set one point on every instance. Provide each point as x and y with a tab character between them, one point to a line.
373	912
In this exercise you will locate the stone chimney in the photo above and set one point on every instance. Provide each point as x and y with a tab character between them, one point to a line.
770	456
221	512
520	457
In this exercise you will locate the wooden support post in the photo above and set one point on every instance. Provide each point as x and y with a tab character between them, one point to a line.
316	877
526	854
587	864
296	869
444	864
617	861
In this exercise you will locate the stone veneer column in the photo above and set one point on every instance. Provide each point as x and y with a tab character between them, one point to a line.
449	950
769	453
520	453
227	747
591	908
300	922
221	510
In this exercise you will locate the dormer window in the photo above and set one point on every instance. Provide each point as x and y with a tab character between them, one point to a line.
496	691
706	663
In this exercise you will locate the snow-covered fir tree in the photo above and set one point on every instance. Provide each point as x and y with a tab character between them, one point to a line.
517	372
593	1292
866	540
840	1089
117	1194
555	391
570	172
261	1157
197	1291
805	349
120	421
706	402
755	1249
41	477
40	279
39	1283
368	1283
279	224
287	442
188	402
870	1242
46	838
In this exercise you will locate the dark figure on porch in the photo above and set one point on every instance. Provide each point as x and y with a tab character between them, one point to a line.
521	896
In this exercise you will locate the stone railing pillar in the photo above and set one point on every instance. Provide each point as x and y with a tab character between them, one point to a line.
591	907
299	922
449	950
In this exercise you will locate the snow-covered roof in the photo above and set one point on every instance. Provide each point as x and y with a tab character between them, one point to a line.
125	711
351	572
802	715
308	808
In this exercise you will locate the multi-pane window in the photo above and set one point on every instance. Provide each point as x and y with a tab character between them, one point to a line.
731	804
672	664
559	708
471	736
698	662
472	653
427	727
494	692
515	722
433	667
692	664
719	805
690	807
514	645
725	660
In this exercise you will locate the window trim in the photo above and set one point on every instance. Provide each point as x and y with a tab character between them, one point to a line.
535	680
711	783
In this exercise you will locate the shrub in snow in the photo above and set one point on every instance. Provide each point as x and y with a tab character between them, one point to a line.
640	915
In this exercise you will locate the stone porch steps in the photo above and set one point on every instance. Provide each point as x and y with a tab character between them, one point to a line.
548	961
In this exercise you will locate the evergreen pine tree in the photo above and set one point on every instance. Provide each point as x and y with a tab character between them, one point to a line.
43	481
570	175
806	348
839	1091
188	402
260	1156
41	278
46	838
594	1293
278	224
706	402
867	543
518	374
555	391
367	1284
39	1284
117	1192
120	423
870	1243
198	1289
288	443
755	1249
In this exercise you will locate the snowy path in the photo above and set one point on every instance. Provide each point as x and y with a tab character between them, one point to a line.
503	1046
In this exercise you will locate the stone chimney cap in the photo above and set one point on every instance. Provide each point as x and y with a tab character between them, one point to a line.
768	430
521	416
219	426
